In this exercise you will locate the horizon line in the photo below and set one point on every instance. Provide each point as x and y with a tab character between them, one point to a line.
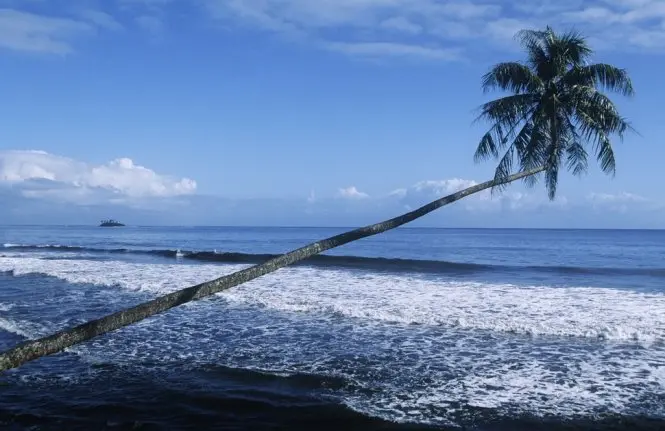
329	227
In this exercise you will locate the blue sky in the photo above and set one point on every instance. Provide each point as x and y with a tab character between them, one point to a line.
297	111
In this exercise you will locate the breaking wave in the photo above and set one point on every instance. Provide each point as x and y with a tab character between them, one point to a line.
377	264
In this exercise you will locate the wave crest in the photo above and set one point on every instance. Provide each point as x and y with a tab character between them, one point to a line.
375	264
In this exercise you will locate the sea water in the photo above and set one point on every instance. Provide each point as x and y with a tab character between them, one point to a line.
415	328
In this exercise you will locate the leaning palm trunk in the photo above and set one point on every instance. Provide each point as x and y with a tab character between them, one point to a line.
59	341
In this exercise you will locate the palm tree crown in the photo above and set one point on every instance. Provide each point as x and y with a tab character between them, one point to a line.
556	109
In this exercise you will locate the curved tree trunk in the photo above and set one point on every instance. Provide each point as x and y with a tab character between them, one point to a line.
34	349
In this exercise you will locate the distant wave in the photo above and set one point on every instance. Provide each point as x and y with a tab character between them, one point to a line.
354	262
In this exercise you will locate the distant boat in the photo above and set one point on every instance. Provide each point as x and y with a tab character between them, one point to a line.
110	223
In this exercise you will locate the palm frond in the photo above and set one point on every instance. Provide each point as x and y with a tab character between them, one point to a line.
508	109
577	158
553	163
602	76
524	145
511	76
516	149
530	38
531	151
534	43
601	113
487	148
606	157
506	114
531	181
572	49
503	170
597	120
552	181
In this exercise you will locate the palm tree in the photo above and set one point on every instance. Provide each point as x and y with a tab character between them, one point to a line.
555	110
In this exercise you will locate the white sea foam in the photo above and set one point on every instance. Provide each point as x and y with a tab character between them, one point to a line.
587	312
12	245
405	373
22	327
411	349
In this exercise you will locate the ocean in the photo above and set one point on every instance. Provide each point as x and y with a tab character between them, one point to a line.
473	329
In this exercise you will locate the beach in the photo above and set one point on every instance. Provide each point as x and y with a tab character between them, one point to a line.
413	329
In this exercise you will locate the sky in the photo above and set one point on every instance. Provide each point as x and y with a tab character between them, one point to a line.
299	112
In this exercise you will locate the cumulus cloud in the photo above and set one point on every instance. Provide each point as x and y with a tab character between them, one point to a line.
618	202
424	191
619	197
442	187
484	201
42	175
38	187
351	193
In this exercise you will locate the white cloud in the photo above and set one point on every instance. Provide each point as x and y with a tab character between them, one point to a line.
24	31
363	27
619	202
441	187
593	14
352	13
375	22
40	174
425	191
504	29
400	193
351	193
510	199
30	31
619	197
374	49
430	29
38	187
145	3
101	19
402	24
